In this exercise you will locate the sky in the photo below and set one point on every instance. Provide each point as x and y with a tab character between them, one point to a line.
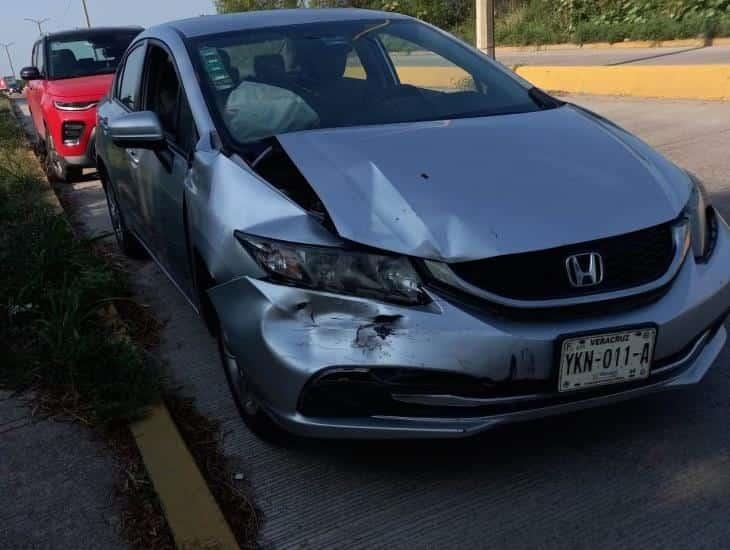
69	14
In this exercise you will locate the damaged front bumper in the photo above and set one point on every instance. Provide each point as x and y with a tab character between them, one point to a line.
327	365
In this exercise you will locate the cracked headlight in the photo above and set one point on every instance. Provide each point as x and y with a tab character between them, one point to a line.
700	217
377	276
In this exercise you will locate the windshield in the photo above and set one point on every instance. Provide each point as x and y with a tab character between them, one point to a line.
327	75
95	53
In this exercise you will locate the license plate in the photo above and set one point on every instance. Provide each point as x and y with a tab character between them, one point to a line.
604	359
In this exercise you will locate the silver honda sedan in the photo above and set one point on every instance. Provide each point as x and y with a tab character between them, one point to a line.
392	236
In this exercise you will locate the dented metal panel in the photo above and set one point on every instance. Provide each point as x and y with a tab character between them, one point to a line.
286	335
474	188
239	200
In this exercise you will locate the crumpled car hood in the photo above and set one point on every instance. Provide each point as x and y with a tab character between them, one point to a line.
474	188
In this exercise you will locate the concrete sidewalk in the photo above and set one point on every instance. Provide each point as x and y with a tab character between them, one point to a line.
56	484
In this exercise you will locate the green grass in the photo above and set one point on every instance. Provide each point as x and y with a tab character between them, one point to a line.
52	289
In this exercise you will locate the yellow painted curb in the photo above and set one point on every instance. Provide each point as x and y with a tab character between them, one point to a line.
192	513
704	82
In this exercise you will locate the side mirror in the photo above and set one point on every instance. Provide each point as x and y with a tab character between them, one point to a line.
30	73
141	130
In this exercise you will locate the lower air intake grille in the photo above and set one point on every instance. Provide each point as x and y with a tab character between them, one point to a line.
72	132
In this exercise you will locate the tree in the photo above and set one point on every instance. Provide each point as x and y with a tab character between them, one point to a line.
443	13
230	6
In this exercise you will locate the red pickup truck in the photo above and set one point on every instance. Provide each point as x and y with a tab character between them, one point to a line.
70	72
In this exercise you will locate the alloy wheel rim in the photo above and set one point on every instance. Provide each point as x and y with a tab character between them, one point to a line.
57	165
54	159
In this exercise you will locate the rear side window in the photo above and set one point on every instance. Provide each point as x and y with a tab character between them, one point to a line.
40	61
131	77
354	67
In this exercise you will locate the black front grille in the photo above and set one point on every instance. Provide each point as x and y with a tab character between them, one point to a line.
72	131
629	260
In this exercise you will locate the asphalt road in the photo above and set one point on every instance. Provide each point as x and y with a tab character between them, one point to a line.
588	56
653	473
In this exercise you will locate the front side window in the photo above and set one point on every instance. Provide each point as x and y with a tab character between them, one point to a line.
166	97
326	75
131	77
94	53
163	88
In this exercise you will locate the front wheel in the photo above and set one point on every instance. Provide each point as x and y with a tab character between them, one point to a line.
127	242
253	416
56	167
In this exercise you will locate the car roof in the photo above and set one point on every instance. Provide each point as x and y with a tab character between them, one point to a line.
214	24
81	33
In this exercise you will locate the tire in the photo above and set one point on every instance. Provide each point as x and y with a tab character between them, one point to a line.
257	421
56	168
127	242
39	149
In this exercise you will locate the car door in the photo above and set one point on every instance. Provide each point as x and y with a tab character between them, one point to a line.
122	164
162	174
35	89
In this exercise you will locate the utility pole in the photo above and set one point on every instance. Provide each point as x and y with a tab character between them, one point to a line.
86	13
38	22
485	26
10	60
